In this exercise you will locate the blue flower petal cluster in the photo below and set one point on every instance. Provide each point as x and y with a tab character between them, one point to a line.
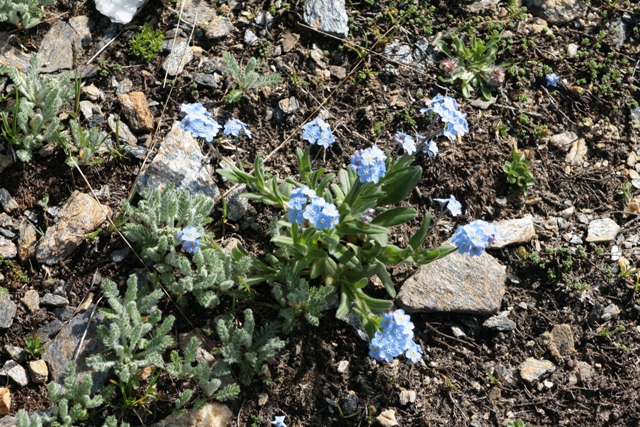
199	122
447	108
304	204
395	338
431	149
279	421
369	164
234	127
552	80
474	237
454	206
189	238
406	142
318	132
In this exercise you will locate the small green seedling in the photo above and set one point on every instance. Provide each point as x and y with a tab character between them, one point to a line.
33	348
246	79
517	171
147	43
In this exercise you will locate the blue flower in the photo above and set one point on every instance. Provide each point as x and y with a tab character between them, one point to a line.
279	421
201	126
328	218
318	132
312	211
194	110
406	142
432	149
191	246
454	206
447	108
296	215
474	237
189	234
369	164
552	80
234	127
395	338
413	352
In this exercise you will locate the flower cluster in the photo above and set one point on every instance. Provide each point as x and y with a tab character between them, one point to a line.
395	338
189	238
199	122
454	206
447	108
304	204
409	144
474	237
552	80
369	164
234	127
318	132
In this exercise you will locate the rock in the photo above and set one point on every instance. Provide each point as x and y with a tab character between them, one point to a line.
205	11
456	283
562	338
514	231
122	130
263	398
119	255
10	56
124	86
7	221
119	11
80	216
6	160
289	41
210	80
49	329
8	203
5	401
15	371
54	300
457	332
500	322
576	156
31	300
219	27
342	366
602	230
180	56
387	418
288	105
135	109
15	353
59	351
581	373
407	396
399	52
92	93
250	37
39	371
56	52
532	370
556	11
329	16
338	72
211	415
27	240
7	249
609	312
563	140
179	161
7	311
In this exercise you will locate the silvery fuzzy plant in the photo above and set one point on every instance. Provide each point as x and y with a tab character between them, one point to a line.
246	79
136	336
153	226
70	404
33	120
22	13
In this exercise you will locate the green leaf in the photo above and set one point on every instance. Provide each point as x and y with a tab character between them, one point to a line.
397	186
395	216
345	305
421	234
346	257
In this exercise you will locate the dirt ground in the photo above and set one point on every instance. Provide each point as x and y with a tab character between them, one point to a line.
471	380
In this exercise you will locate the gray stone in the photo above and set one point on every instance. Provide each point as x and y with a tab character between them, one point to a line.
31	300
7	249
456	283
609	312
7	221
329	16
60	351
136	151
210	80
211	415
119	255
124	86
56	51
92	93
10	56
124	133
289	41
562	339
80	216
514	231
54	300
205	10
532	370
457	332
563	140
180	162
6	160
481	5
15	371
8	203
178	58
7	311
15	353
399	52
407	396
500	323
288	105
219	27
602	230
337	72
39	371
48	330
27	240
556	11
250	38
236	204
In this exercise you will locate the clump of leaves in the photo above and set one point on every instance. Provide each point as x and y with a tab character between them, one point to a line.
147	43
517	171
85	146
22	13
33	348
246	79
473	66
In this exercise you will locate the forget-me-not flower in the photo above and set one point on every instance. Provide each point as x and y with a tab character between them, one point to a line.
318	132
234	127
279	421
199	122
369	164
447	108
474	237
451	204
431	149
406	142
189	238
552	80
395	338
